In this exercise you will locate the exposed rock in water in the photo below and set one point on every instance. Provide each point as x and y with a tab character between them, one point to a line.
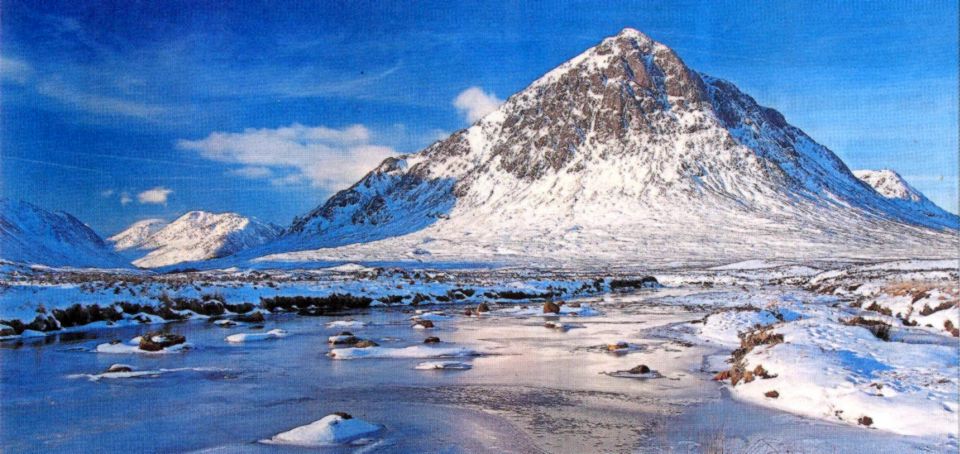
116	368
550	307
156	341
483	307
344	338
423	324
365	344
256	317
618	346
432	340
641	369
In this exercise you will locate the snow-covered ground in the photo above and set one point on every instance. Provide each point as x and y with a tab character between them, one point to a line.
865	359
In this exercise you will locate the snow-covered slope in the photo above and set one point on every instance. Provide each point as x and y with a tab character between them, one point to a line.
137	234
892	186
31	235
620	155
197	235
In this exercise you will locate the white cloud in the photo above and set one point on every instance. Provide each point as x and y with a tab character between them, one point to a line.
106	193
474	103
157	195
125	199
326	157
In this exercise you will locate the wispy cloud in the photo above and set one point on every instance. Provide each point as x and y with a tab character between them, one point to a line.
325	157
474	103
125	198
251	172
97	104
157	196
15	70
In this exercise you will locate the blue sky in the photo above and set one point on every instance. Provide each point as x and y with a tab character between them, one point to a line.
122	111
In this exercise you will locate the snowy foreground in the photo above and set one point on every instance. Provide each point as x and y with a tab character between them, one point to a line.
749	356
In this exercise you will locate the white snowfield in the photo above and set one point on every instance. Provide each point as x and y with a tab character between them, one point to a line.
332	430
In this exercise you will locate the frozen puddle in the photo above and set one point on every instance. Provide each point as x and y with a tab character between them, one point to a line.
415	351
142	373
332	430
253	337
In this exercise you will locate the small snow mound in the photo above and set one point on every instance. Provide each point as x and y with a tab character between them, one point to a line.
443	365
330	431
251	337
346	324
133	346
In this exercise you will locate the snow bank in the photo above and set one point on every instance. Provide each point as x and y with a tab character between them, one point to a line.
827	370
252	337
330	431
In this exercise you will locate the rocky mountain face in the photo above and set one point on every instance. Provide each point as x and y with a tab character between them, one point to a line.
197	235
621	154
31	235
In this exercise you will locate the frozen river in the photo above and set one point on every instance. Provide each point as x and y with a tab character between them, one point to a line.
535	389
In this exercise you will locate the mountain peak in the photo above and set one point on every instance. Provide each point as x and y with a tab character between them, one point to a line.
889	184
622	141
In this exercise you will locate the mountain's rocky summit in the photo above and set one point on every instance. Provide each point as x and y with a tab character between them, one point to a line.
621	155
197	235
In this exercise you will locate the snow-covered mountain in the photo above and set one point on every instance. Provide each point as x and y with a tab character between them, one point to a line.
197	235
621	155
137	234
31	235
892	186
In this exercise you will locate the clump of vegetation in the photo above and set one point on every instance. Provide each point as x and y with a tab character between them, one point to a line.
953	330
762	335
879	328
644	282
333	302
880	309
927	310
518	295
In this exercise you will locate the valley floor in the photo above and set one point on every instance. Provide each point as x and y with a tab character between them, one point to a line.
758	357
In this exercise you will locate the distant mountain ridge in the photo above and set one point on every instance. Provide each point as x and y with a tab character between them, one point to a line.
195	236
891	185
32	235
621	154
